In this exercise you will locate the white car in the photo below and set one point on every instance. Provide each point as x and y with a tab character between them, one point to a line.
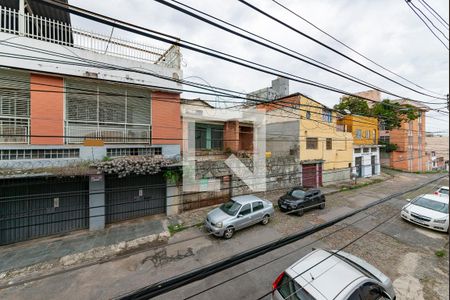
429	211
442	191
335	275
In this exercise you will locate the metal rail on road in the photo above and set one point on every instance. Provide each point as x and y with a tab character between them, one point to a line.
175	282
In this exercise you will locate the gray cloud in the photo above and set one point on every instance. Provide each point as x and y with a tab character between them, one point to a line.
386	31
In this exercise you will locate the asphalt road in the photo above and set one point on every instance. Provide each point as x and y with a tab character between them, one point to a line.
397	248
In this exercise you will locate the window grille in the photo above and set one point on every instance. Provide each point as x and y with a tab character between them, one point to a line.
15	154
116	152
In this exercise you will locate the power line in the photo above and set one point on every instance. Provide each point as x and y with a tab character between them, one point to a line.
431	22
279	257
408	2
328	47
333	71
157	75
348	47
439	17
185	44
203	272
109	66
260	37
276	49
171	100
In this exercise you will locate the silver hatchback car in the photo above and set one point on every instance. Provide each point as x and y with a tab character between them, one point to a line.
238	213
335	275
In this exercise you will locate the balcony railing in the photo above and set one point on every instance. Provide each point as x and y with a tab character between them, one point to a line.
112	134
45	29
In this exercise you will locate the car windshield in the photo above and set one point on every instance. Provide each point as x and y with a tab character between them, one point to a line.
231	207
443	191
297	193
431	204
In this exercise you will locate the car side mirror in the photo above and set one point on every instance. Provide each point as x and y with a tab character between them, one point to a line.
409	200
240	216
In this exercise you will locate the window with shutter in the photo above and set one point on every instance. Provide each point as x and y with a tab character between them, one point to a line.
14	106
114	113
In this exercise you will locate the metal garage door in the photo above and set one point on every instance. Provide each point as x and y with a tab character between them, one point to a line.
31	208
134	196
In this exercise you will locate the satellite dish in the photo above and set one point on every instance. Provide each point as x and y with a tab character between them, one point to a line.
348	112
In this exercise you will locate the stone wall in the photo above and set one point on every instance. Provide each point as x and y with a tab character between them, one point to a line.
281	172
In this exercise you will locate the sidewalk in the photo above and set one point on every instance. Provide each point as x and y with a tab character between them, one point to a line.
79	247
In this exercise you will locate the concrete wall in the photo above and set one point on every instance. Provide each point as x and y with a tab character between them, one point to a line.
335	176
282	138
97	202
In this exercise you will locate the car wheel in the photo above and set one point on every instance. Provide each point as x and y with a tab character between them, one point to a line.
265	220
322	205
300	211
228	233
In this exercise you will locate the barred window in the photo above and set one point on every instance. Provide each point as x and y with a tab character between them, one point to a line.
312	143
15	154
116	152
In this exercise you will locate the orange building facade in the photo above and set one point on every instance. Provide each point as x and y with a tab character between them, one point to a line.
54	119
410	139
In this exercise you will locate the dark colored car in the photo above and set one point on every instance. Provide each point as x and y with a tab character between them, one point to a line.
299	199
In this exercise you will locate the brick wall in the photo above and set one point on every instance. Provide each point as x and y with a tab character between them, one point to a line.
166	119
47	110
231	136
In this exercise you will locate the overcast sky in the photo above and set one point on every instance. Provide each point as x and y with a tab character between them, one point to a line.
386	31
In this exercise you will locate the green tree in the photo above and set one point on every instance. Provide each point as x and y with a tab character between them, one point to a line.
393	114
354	105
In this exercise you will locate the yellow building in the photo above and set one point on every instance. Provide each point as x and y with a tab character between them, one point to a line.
324	150
366	152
